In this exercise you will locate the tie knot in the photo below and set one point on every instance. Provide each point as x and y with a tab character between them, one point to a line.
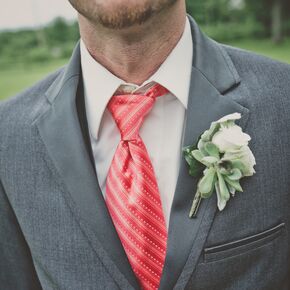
129	110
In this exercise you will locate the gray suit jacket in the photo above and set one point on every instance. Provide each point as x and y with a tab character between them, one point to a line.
55	230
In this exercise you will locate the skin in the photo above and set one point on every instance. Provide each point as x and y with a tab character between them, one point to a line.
131	38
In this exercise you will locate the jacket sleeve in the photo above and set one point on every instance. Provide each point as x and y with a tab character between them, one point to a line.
17	271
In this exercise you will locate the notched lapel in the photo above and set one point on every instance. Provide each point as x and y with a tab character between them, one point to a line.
60	131
212	74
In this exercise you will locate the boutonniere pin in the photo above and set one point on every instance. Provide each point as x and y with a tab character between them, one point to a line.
223	157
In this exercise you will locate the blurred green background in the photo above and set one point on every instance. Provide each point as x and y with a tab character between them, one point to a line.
262	26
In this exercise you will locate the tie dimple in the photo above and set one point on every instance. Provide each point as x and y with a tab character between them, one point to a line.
129	112
132	193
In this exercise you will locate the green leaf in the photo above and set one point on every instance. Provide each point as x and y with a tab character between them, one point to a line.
208	134
206	184
189	158
224	192
232	190
195	167
239	164
199	157
220	201
210	159
187	154
236	174
212	149
188	149
234	183
200	146
224	171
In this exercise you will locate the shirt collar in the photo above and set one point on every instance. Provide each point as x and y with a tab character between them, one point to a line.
100	84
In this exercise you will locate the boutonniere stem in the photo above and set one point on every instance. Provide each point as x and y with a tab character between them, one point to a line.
195	205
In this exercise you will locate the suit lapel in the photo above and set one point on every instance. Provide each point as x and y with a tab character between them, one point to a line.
60	130
212	74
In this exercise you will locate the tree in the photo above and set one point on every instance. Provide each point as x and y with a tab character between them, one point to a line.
272	13
209	11
276	20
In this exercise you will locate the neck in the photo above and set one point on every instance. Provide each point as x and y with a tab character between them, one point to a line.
134	54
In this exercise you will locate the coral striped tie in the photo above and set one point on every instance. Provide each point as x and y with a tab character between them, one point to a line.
132	194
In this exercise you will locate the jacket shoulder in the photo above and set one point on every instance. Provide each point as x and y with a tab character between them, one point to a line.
18	112
264	90
264	68
26	104
267	80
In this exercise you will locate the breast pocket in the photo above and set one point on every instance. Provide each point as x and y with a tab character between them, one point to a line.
243	245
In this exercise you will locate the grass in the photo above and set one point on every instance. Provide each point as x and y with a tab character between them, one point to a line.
16	78
266	47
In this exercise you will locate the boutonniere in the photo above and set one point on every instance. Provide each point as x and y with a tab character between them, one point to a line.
223	157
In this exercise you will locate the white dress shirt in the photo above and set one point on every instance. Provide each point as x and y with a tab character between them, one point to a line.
162	130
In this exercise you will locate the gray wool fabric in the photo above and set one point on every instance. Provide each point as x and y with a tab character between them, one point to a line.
55	230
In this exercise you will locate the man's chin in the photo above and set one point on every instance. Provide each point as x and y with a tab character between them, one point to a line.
117	14
125	19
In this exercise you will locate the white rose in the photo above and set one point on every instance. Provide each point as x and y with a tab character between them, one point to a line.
243	155
230	117
230	138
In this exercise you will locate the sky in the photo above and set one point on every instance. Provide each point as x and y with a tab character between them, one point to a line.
30	13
